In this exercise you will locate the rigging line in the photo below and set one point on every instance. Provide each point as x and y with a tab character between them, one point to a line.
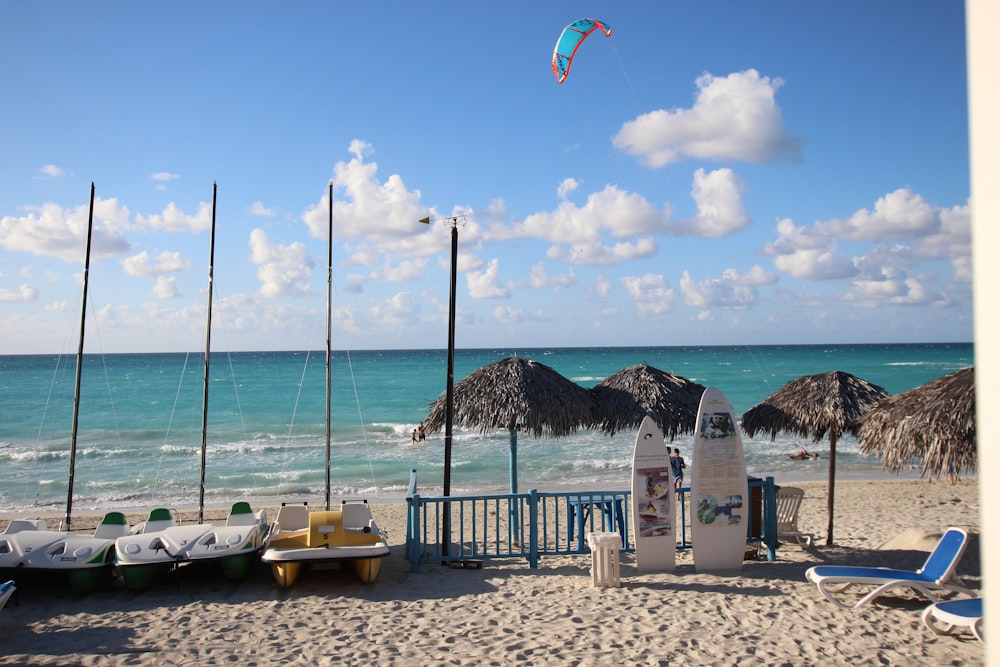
219	314
760	369
170	420
107	380
357	401
295	406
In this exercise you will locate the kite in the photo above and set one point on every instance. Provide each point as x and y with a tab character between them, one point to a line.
570	40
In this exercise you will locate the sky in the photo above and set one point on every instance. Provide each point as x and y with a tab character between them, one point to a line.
714	173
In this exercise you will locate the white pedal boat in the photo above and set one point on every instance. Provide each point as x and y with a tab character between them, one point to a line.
300	538
27	545
160	544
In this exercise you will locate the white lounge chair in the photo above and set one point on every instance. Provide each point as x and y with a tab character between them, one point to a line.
788	500
936	575
943	617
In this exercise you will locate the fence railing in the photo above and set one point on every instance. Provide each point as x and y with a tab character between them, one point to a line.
535	524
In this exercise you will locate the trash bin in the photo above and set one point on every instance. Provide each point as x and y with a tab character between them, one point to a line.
605	568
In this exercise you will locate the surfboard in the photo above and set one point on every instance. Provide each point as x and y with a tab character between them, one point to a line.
719	492
653	518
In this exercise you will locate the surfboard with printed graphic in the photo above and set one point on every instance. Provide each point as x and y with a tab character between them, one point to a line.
653	520
720	503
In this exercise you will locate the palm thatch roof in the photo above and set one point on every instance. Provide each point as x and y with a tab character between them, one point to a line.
935	422
516	391
813	405
624	399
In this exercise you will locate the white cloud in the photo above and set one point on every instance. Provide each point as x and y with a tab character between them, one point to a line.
172	219
51	171
142	265
651	293
733	118
815	265
484	284
166	287
284	271
53	231
897	216
540	278
720	207
732	290
568	186
25	294
164	176
258	209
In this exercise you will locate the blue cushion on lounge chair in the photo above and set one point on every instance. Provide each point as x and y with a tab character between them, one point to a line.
937	574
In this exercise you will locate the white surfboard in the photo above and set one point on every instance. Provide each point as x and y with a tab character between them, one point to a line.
652	501
720	502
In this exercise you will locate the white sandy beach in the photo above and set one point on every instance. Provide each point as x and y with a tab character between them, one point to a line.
507	613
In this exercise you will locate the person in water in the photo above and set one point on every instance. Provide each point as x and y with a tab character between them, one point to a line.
803	454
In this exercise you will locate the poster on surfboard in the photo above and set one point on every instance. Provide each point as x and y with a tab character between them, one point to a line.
719	497
653	518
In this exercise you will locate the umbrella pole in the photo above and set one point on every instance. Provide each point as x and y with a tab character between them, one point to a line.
829	493
514	523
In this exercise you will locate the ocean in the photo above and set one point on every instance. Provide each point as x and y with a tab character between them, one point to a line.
140	431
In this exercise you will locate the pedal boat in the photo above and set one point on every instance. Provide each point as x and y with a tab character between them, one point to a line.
300	538
160	544
28	546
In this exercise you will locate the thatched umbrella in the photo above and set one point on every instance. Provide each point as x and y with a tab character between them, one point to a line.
811	406
935	422
516	393
622	400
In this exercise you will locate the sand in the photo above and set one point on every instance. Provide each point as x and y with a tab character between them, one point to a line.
508	613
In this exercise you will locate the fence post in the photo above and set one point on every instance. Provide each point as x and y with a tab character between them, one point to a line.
533	529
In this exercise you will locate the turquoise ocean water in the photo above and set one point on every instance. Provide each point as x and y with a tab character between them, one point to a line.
139	436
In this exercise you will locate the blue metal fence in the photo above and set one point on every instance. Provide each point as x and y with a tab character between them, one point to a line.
535	524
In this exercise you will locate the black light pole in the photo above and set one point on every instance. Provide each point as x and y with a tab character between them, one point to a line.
449	400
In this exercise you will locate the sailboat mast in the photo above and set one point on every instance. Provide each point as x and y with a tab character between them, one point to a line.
329	312
79	362
208	356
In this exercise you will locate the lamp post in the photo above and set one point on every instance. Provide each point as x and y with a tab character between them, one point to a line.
449	411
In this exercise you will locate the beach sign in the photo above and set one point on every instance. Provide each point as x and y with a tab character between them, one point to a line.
653	520
719	491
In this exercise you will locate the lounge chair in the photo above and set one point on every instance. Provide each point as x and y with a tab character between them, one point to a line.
967	613
788	500
936	575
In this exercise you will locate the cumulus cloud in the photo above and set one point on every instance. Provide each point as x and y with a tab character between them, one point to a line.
897	216
651	293
144	266
258	209
166	287
485	285
720	206
284	271
51	171
540	278
732	290
367	207
172	219
25	294
54	231
733	118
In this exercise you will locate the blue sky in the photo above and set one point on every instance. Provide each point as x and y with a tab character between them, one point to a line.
714	173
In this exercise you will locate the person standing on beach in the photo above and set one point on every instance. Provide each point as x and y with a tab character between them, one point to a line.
413	437
677	467
421	436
